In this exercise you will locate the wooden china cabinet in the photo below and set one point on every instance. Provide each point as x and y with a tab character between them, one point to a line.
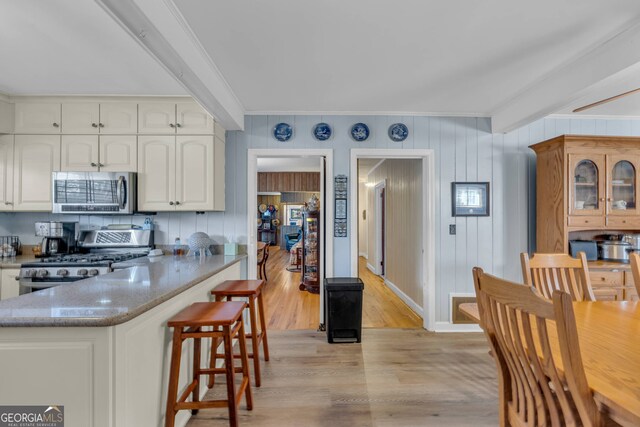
588	186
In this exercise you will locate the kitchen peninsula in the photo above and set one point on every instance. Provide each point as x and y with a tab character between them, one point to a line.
100	346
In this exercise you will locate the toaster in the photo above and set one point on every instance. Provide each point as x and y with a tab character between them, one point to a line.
589	247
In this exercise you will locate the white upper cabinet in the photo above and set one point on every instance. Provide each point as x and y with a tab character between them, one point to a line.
6	117
157	117
106	153
118	118
192	119
35	158
81	118
185	118
37	118
156	173
6	172
219	170
79	153
194	173
118	153
92	118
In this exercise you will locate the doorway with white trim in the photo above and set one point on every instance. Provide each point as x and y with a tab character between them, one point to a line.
392	243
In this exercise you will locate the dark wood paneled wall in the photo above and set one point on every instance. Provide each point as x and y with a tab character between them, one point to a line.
288	181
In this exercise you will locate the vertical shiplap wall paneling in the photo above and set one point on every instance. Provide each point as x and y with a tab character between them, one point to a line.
472	245
460	153
498	189
433	142
464	150
484	250
447	267
536	133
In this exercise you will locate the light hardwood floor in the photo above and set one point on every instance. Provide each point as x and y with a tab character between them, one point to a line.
289	308
395	377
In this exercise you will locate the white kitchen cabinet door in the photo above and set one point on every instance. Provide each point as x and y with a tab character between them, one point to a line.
218	174
7	120
79	153
194	173
9	287
192	119
156	173
118	118
157	117
80	118
35	158
118	153
37	118
6	172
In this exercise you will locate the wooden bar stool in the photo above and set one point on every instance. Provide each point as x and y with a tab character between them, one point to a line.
251	289
226	320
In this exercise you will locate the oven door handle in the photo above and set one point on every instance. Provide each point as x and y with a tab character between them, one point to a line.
121	192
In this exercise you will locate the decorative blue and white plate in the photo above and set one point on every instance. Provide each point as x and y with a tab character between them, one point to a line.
282	132
360	132
398	132
322	131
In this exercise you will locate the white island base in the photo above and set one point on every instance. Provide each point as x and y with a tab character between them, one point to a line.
105	376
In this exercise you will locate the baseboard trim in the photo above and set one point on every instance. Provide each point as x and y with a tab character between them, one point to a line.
450	327
364	255
372	268
405	298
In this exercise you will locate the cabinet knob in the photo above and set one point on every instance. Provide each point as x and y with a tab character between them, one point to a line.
178	125
171	125
94	125
94	164
609	199
177	203
602	199
56	125
101	165
171	203
8	203
100	125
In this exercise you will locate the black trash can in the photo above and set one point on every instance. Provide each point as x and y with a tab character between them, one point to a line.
343	309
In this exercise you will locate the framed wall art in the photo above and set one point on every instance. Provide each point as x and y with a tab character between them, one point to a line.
470	199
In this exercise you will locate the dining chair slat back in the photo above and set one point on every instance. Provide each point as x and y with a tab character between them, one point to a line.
550	272
635	270
533	390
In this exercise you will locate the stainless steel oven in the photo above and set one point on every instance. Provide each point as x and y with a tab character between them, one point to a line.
94	192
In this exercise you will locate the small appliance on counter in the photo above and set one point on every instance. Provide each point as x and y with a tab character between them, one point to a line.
589	247
101	249
614	250
57	237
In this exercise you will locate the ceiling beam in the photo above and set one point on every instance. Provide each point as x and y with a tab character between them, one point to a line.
570	81
161	30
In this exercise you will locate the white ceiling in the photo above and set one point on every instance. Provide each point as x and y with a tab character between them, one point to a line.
69	47
413	56
298	56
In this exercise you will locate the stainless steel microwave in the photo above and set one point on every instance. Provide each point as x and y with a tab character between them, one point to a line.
101	193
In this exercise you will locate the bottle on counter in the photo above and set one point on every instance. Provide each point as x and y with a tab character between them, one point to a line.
177	247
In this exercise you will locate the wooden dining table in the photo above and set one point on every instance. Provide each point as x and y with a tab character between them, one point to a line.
609	337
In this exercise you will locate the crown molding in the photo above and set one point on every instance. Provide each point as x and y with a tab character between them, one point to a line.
591	117
365	113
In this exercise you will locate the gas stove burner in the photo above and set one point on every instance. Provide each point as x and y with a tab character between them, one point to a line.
91	258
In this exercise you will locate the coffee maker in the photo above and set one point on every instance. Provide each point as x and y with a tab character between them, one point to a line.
57	237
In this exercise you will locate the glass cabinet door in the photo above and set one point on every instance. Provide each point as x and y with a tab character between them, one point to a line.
622	197
586	195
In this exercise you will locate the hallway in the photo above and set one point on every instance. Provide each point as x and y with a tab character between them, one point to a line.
289	308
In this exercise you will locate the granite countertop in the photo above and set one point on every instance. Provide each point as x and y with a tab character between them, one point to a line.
113	298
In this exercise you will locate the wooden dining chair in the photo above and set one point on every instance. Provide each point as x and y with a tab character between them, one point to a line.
532	389
263	255
635	270
550	272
